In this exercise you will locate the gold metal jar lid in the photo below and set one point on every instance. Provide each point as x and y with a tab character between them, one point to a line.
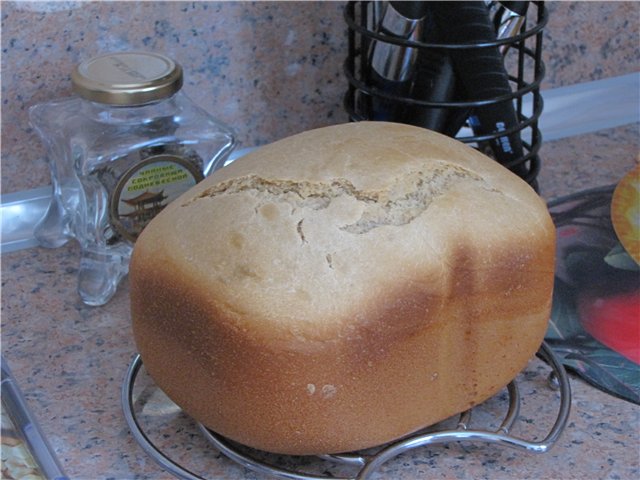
127	78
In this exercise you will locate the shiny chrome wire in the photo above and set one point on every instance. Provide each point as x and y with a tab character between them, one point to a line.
365	466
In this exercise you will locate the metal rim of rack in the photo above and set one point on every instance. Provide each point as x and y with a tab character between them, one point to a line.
357	83
367	465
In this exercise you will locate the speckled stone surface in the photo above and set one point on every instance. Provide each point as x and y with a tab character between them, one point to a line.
590	40
70	360
267	69
587	161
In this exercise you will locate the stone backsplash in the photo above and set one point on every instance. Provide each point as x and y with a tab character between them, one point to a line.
267	69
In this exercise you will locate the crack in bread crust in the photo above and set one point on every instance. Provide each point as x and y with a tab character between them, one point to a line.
404	200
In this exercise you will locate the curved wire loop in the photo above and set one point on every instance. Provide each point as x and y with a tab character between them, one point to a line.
364	466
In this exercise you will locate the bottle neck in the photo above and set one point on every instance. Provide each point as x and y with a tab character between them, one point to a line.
134	114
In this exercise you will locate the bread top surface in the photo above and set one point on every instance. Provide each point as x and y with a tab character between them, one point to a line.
304	238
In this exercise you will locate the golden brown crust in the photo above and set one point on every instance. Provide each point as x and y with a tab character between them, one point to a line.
319	296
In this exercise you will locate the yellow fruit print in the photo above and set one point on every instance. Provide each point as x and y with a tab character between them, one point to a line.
625	212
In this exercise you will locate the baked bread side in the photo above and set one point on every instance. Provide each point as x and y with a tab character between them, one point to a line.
343	287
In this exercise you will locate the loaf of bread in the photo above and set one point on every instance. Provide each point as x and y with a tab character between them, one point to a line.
343	287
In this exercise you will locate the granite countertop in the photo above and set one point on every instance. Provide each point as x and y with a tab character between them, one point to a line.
70	361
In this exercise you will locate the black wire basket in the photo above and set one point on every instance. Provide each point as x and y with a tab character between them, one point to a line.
521	54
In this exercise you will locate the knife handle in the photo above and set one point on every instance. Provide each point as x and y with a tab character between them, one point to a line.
481	75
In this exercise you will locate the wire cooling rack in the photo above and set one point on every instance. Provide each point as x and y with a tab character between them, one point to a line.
358	465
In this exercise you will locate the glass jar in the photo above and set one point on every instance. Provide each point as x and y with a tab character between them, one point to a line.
125	146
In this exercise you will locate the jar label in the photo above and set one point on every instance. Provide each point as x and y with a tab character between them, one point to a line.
145	189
